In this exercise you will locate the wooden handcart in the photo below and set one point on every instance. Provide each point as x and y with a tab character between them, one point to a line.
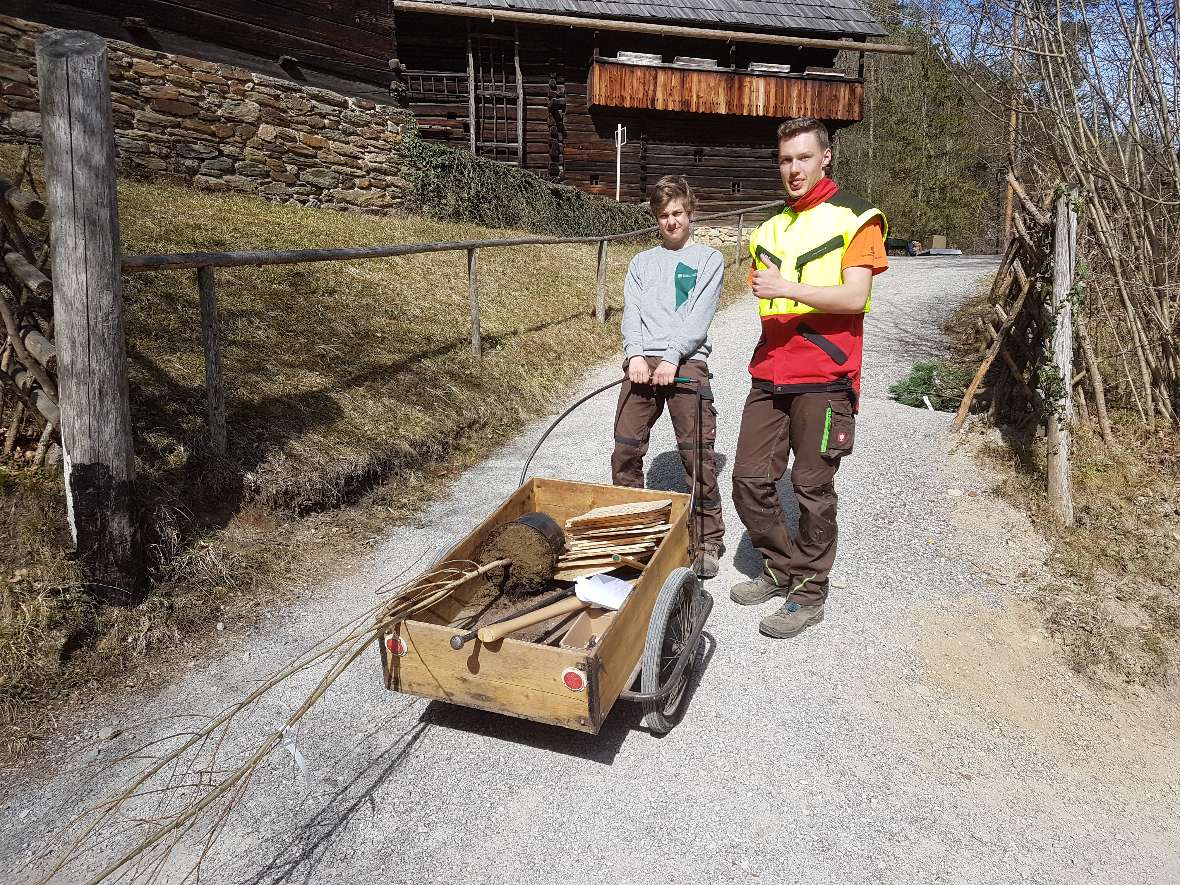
574	679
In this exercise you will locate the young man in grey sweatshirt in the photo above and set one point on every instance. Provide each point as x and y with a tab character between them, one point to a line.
670	296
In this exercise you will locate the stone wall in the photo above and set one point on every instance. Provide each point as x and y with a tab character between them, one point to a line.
719	236
224	128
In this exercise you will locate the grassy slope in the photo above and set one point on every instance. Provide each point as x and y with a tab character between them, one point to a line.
347	384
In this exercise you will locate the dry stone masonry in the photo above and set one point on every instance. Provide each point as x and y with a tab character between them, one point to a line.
224	128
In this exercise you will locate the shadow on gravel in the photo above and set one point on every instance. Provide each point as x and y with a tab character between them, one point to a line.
296	860
603	747
666	473
746	559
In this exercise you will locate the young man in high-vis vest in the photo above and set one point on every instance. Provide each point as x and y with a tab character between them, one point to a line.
813	268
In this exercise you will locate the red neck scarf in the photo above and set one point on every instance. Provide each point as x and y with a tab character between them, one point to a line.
823	190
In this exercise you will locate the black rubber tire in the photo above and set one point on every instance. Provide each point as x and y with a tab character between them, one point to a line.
670	625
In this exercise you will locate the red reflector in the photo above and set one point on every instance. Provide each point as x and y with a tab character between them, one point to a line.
574	680
396	646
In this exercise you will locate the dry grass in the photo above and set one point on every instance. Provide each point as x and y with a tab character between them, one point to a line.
1115	603
351	396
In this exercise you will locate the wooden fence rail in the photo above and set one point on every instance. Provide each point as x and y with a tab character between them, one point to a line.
205	262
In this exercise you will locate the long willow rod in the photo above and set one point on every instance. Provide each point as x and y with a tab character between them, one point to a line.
414	598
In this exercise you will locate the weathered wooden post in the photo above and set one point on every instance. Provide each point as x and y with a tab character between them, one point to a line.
737	249
473	300
214	387
1057	432
78	139
600	285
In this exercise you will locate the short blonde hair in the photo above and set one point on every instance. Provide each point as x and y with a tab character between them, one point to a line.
669	188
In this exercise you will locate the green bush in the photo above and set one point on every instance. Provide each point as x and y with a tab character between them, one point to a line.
944	382
452	185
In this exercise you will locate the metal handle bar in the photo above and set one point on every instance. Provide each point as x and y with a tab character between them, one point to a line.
544	436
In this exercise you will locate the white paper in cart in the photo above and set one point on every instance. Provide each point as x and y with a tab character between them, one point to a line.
602	590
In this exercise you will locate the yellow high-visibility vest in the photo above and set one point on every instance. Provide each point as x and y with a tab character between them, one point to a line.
808	247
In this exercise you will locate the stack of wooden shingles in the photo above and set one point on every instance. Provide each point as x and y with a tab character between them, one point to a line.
604	538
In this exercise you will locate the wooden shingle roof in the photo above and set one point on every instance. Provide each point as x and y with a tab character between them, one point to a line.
826	18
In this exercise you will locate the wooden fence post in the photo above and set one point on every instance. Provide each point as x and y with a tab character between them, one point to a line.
737	249
1057	433
600	286
79	144
210	336
473	300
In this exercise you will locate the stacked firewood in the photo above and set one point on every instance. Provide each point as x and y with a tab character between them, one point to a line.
29	412
607	537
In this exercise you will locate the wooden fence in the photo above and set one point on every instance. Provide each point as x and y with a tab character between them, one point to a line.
86	404
1032	300
29	412
205	262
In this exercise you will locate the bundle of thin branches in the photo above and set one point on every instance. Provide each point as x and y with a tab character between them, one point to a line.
1092	91
193	770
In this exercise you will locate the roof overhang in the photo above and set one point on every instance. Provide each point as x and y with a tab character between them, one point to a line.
639	27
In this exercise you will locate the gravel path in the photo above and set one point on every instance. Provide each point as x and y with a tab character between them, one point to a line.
925	732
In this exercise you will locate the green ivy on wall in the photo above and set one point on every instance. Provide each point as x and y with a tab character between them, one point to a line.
455	186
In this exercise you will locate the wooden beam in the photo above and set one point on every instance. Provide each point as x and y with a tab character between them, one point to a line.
520	156
190	260
1057	432
990	356
606	24
600	285
78	138
470	92
211	338
28	275
473	303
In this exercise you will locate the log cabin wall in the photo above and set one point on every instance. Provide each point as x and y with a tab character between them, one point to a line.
359	48
729	159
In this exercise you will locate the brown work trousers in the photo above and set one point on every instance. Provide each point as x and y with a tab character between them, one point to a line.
818	428
640	406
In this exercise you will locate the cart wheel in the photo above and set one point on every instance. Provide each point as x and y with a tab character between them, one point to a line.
670	627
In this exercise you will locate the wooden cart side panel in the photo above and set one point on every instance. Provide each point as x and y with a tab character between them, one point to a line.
562	498
517	678
622	645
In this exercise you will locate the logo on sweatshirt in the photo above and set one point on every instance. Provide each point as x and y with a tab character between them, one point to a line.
686	280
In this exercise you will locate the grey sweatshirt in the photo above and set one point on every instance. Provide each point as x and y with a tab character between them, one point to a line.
669	300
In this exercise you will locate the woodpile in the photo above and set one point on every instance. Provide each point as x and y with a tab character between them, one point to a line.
607	537
29	413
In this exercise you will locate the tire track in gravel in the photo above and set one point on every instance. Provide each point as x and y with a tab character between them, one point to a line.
924	733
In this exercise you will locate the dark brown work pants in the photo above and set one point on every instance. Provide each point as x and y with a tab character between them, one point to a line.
640	406
774	426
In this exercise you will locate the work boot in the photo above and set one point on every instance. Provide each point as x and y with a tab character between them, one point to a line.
757	590
708	562
791	620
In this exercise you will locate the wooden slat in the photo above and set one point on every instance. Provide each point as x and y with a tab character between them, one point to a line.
517	678
992	352
670	88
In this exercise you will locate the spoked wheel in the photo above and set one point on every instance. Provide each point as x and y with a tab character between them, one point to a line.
671	628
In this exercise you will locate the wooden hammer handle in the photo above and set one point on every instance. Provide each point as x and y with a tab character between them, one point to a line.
498	631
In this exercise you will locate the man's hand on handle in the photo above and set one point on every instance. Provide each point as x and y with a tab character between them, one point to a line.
664	374
638	371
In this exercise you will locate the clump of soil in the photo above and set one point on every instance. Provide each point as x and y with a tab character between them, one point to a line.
532	559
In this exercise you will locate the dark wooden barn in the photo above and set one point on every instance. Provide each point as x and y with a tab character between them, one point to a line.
699	85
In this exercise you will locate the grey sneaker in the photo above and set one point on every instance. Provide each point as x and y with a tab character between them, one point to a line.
756	591
708	562
791	620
